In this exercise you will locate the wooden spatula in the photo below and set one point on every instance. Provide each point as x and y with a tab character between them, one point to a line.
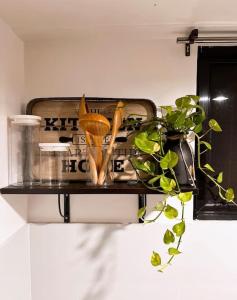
117	122
82	112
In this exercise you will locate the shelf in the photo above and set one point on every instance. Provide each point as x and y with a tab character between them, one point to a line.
83	188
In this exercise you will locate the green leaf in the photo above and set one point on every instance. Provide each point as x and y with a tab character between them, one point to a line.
168	237
143	143
200	111
183	102
172	117
185	197
209	167
229	195
195	98
159	206
168	108
197	118
169	161
179	228
179	122
154	179
189	123
173	251
220	177
208	145
155	259
141	212
214	125
155	136
167	184
198	128
170	212
147	166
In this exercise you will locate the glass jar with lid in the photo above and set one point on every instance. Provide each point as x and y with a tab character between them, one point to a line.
24	137
54	163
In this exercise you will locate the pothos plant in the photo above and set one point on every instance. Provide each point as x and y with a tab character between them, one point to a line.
184	119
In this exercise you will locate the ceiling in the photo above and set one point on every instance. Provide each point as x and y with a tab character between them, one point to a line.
48	19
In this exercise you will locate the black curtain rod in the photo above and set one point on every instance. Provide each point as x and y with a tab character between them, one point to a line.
201	40
195	39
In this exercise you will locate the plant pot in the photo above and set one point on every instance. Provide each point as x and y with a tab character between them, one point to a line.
184	170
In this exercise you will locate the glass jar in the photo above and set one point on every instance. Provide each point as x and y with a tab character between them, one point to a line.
99	165
24	136
54	163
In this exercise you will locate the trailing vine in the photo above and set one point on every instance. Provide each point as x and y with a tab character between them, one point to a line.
185	119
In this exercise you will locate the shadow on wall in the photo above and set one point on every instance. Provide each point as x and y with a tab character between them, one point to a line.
99	248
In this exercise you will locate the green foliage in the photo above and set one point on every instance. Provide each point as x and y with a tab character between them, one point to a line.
220	177
159	206
154	179
168	237
173	251
229	195
179	228
185	197
145	166
155	259
209	167
143	143
167	184
160	163
208	145
141	212
214	125
170	212
169	161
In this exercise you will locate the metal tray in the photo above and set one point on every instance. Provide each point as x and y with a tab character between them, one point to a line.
60	123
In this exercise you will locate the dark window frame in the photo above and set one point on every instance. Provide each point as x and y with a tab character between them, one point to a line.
204	210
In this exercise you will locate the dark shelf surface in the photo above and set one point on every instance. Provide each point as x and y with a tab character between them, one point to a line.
83	188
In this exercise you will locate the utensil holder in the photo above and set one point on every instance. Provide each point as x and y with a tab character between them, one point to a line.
94	159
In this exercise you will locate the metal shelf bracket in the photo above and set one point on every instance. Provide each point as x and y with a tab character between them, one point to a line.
66	214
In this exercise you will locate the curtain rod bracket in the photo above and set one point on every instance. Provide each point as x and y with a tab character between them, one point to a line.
191	40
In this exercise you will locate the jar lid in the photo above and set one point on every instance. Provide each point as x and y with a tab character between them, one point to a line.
58	147
25	119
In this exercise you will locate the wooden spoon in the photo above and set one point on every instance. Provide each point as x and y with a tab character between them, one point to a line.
98	126
117	122
82	111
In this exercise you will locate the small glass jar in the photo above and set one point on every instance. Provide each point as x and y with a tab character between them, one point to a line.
24	136
54	163
99	166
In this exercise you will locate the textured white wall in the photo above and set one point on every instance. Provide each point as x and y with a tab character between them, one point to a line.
14	246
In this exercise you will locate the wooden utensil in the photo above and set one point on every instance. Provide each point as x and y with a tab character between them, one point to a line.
117	122
82	112
98	126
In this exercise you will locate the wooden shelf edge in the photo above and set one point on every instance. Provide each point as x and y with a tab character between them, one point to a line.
83	188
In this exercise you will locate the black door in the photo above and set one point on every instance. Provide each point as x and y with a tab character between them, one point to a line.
217	86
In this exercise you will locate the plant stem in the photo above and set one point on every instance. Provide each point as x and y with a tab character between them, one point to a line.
180	238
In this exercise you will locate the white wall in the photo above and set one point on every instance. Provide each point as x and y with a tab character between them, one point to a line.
14	270
93	262
103	262
153	69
